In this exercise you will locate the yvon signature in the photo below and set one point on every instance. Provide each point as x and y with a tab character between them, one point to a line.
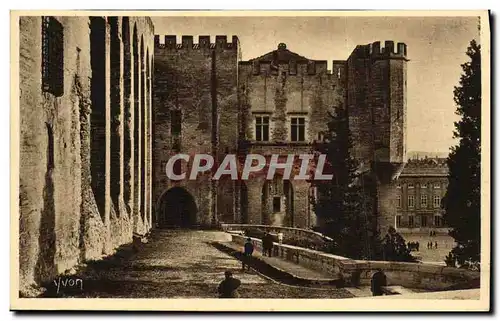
68	283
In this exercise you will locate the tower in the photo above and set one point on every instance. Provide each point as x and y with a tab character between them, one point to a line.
376	102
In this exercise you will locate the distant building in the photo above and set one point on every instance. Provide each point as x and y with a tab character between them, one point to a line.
419	191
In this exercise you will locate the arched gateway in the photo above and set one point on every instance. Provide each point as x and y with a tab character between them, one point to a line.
176	208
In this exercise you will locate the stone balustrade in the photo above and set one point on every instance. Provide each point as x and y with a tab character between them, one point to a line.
360	272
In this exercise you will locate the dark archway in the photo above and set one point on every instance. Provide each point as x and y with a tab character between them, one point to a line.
177	208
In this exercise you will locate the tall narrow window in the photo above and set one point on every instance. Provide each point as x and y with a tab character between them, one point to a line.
423	201
411	221
262	129
175	129
423	220
176	122
411	201
438	221
398	201
398	220
437	201
52	56
298	129
276	204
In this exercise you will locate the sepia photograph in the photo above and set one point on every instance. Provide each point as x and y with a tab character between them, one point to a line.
163	157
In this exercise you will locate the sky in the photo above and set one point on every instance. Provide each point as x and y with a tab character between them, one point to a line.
436	49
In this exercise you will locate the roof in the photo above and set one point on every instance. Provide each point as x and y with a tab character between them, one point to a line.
282	54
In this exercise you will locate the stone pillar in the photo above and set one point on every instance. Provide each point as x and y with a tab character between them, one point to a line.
107	203
300	195
254	186
386	206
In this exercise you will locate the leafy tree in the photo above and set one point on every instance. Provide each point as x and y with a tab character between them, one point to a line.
395	248
342	205
462	200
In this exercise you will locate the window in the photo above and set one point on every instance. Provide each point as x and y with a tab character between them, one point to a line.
437	185
411	185
52	56
423	220
298	126
424	185
176	122
411	201
262	129
411	221
398	200
398	185
437	201
398	220
423	200
438	221
276	204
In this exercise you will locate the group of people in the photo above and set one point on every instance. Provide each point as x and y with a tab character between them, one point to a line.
430	245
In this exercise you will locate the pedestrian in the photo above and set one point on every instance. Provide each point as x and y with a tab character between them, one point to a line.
417	245
228	288
436	245
247	253
269	246
264	245
280	238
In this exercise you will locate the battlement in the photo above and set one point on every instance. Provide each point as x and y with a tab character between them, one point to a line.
187	43
375	50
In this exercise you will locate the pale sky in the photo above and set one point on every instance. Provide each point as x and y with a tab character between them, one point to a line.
436	49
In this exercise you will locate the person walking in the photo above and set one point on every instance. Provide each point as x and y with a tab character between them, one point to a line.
247	254
228	288
436	245
269	244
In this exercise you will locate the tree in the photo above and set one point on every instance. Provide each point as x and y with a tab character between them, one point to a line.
462	199
341	204
395	248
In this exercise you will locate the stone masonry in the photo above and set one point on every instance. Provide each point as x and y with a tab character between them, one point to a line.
260	105
85	139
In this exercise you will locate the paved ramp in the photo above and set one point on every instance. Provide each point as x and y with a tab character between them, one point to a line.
178	264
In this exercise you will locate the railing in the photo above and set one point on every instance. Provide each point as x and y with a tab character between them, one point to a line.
295	232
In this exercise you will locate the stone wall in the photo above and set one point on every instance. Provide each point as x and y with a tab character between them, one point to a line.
72	142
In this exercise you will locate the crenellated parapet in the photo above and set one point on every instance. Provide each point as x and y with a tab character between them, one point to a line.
187	43
376	50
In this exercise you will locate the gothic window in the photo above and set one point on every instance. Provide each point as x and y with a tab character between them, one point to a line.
398	185
424	185
52	56
298	129
437	185
411	185
262	128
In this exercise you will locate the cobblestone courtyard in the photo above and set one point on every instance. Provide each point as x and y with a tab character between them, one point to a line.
178	264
